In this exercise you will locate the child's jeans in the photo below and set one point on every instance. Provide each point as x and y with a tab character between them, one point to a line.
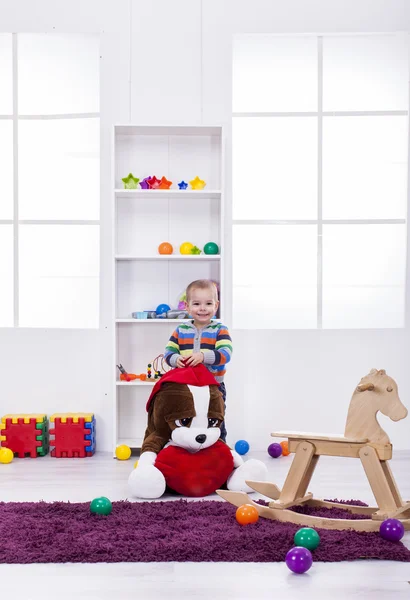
222	389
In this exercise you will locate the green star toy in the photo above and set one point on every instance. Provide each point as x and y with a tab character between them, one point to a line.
130	182
195	250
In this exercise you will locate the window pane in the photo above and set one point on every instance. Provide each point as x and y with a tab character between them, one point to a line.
6	169
363	275
365	73
6	74
59	274
58	73
267	153
6	276
274	276
364	167
274	73
59	169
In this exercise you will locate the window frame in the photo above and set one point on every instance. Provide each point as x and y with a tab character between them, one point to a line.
320	114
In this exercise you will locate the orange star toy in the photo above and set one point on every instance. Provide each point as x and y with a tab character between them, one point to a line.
164	184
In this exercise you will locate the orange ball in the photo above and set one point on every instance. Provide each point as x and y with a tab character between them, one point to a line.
285	449
246	514
165	248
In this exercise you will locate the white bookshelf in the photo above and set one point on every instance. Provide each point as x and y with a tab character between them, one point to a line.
143	219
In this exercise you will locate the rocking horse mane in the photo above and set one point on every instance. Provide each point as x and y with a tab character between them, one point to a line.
376	391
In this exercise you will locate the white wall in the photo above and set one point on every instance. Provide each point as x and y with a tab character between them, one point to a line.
170	62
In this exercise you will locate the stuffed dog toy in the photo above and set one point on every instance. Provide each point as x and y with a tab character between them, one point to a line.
181	450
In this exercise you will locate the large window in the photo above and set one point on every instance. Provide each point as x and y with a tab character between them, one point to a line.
320	162
49	180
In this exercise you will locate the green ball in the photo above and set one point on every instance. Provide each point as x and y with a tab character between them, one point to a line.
101	506
211	248
307	537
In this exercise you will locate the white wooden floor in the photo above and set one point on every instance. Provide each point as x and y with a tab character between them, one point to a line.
81	480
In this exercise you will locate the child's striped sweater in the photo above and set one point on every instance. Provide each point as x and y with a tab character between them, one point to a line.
213	340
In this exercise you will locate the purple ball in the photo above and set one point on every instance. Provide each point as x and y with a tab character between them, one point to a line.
299	559
392	530
275	450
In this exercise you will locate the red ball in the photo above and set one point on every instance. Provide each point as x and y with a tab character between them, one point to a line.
247	514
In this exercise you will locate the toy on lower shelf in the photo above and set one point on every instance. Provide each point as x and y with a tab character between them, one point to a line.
25	434
73	435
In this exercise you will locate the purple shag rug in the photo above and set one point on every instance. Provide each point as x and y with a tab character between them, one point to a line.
199	531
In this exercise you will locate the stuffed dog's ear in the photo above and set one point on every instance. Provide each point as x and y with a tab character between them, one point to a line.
216	404
173	401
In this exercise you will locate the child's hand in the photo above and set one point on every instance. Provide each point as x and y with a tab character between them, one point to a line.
180	362
195	359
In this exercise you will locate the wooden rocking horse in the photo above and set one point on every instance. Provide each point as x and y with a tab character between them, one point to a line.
364	439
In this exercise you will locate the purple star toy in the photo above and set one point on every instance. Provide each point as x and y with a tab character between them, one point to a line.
144	183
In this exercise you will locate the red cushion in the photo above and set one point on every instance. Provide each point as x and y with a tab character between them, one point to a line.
195	474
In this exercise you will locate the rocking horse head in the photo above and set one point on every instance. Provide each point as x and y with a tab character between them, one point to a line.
375	392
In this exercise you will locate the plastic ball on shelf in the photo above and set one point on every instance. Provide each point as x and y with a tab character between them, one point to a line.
392	530
211	248
246	514
101	506
242	447
123	452
275	450
165	248
299	559
307	538
6	456
162	308
285	448
186	248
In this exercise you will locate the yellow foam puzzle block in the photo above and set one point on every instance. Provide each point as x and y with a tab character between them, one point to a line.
26	416
88	417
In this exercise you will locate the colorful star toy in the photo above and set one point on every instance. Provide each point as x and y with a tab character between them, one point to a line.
164	184
197	184
182	185
153	183
144	183
130	182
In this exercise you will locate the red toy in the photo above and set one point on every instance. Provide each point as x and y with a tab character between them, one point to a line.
25	435
74	435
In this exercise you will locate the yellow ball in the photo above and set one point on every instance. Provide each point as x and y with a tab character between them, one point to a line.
6	456
123	452
186	248
135	464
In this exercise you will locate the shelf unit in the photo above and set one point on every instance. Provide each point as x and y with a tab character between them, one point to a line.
143	219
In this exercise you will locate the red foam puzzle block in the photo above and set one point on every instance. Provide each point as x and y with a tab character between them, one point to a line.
21	437
69	439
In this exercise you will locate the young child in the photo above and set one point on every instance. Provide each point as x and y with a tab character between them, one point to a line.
202	340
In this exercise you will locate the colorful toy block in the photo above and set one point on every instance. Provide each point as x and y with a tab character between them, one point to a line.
25	434
73	435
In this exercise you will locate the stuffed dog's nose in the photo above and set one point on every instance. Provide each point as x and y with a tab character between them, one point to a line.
200	438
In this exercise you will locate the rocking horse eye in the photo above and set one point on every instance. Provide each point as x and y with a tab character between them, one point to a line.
212	422
183	422
389	389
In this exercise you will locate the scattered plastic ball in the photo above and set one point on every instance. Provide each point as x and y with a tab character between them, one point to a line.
285	448
165	248
6	456
307	537
392	530
211	248
186	248
299	559
123	452
275	450
135	464
241	447
162	308
101	506
246	514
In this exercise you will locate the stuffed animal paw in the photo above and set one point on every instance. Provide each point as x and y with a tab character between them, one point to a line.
146	481
252	469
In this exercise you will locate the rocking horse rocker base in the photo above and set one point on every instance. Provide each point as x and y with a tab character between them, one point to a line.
363	439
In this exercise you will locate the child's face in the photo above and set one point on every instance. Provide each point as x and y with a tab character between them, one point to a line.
202	305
